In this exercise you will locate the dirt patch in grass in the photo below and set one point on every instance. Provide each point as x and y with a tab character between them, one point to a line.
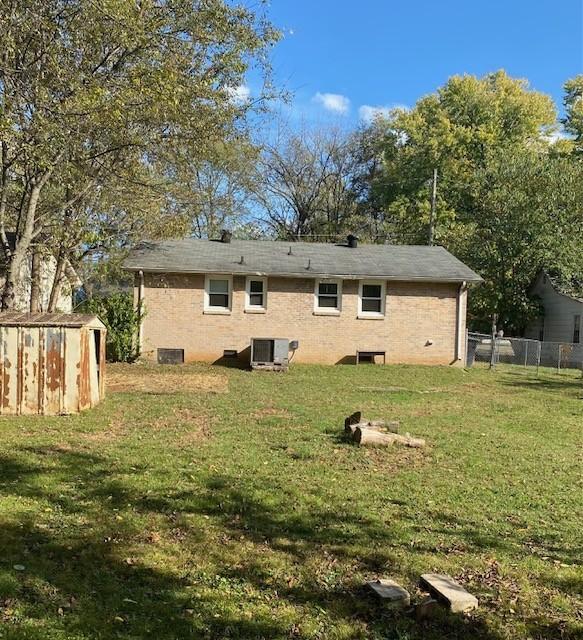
198	427
166	382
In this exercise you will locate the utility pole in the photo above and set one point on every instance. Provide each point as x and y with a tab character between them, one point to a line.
433	207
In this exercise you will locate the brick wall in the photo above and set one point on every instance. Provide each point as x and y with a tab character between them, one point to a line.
419	325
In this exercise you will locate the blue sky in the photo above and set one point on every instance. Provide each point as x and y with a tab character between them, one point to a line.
338	57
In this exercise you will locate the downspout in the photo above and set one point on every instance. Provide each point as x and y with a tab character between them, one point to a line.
140	309
459	347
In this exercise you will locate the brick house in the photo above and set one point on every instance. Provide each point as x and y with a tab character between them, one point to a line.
207	299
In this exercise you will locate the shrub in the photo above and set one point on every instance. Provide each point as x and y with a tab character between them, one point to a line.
122	320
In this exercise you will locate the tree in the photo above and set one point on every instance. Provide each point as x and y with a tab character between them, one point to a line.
119	314
508	201
98	96
215	193
454	130
573	102
303	187
528	215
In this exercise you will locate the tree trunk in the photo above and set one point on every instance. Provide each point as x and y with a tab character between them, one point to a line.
23	242
373	438
375	425
35	275
58	280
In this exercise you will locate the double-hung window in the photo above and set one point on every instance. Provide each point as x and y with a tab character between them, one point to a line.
218	292
371	299
577	329
328	297
256	294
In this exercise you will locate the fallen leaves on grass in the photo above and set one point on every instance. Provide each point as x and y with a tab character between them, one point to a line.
501	587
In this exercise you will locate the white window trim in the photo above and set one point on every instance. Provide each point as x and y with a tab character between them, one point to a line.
217	310
372	314
250	308
327	311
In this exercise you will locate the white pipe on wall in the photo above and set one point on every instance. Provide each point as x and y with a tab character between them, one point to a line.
459	322
140	309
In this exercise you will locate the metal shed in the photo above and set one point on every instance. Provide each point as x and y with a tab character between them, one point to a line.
50	363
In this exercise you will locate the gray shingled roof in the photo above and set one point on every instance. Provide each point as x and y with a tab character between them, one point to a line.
570	287
302	259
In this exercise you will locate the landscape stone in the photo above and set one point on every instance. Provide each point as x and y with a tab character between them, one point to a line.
445	588
393	594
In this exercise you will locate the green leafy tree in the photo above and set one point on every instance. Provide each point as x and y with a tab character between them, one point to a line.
100	95
215	193
455	130
573	102
528	214
508	199
117	311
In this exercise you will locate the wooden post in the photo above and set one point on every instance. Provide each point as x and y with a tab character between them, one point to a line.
493	342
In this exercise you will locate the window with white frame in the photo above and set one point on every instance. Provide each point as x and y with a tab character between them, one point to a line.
256	294
218	293
371	299
328	296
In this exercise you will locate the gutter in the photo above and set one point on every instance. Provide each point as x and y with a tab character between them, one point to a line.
140	309
459	347
310	274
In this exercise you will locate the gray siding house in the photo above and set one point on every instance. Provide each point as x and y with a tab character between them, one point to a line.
563	311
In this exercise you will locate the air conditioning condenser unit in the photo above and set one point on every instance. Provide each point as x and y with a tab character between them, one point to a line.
271	354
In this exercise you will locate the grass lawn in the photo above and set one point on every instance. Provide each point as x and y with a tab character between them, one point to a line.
205	502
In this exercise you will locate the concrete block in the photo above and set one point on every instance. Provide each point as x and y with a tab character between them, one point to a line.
446	589
393	594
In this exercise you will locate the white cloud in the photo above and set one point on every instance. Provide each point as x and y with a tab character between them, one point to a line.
240	94
368	113
333	102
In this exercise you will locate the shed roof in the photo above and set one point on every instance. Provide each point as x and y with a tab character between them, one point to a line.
300	259
18	319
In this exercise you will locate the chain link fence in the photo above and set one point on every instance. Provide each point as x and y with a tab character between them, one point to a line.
523	352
